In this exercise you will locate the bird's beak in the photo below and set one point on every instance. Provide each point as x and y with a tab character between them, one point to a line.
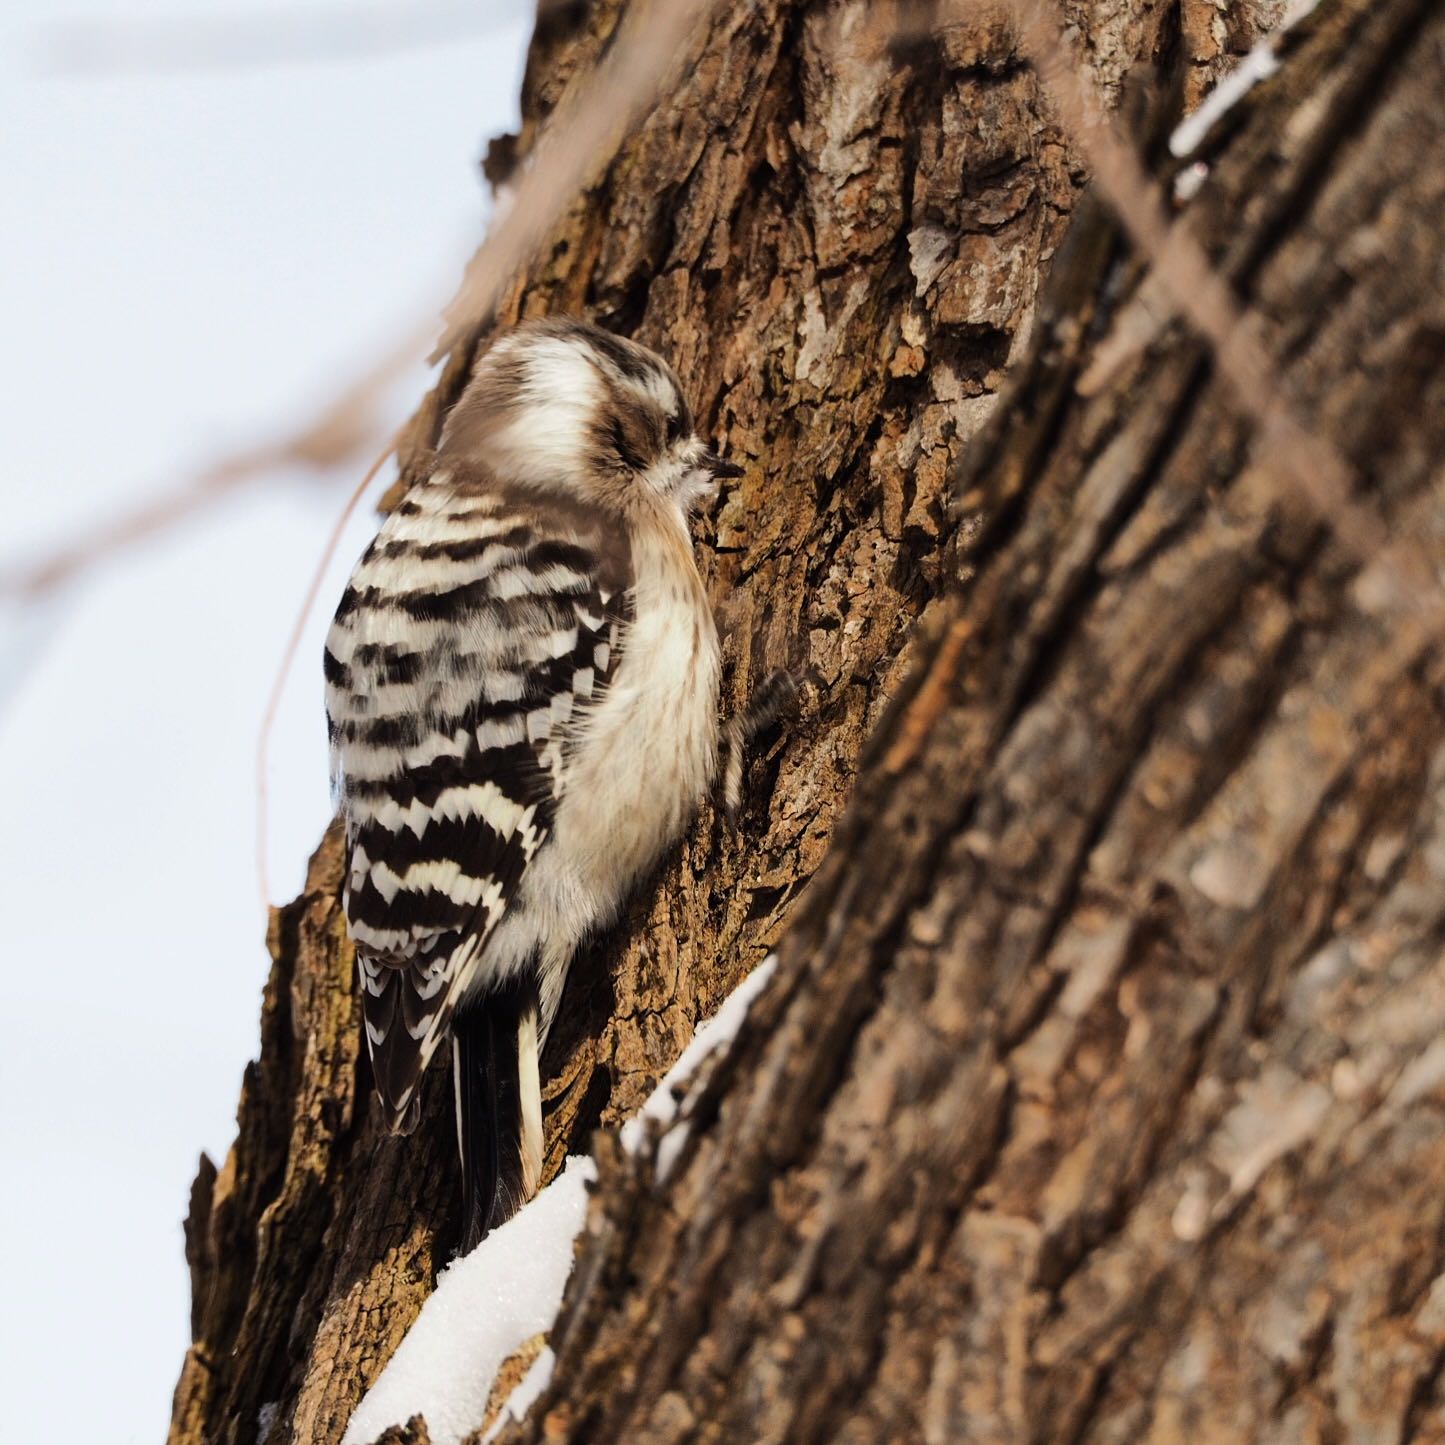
719	468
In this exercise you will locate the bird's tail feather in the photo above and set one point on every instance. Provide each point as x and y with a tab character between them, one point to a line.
499	1105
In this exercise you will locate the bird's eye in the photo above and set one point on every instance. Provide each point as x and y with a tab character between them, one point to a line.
674	427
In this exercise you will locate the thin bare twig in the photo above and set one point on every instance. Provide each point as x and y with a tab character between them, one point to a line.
582	136
66	563
288	659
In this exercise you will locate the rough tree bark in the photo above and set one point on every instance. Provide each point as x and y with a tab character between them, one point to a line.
1099	1093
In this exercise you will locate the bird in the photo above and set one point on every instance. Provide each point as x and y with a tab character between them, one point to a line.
522	693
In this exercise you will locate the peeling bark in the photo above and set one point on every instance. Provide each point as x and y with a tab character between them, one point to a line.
1099	1093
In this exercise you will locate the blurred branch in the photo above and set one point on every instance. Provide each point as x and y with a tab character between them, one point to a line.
1291	457
582	136
343	431
263	37
577	143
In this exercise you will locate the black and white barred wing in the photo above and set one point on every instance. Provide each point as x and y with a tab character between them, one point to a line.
473	637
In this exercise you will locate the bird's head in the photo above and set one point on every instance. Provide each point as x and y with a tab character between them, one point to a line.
562	405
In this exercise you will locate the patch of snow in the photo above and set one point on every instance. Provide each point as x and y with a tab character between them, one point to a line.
1261	62
485	1307
1189	182
509	1288
516	1405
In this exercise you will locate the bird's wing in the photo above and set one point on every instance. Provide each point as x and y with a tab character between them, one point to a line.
473	633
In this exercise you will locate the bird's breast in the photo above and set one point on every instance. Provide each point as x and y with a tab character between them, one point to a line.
642	759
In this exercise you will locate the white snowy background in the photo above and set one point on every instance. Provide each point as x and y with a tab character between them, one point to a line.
193	256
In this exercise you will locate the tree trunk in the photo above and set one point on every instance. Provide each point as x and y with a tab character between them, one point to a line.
1099	1091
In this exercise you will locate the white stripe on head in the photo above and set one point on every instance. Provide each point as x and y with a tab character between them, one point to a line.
655	389
548	432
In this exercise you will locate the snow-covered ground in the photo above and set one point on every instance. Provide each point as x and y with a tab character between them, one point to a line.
192	259
508	1289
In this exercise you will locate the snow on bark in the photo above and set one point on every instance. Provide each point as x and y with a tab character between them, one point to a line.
667	1105
507	1290
1261	62
485	1307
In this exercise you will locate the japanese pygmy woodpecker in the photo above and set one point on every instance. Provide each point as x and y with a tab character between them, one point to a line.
522	693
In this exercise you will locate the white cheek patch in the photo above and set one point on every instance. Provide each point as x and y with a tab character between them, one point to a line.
697	488
682	481
680	476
